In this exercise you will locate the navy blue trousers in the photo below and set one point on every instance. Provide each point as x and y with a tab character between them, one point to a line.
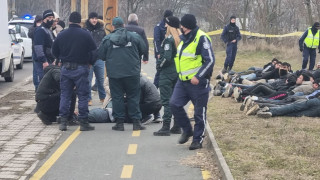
183	92
69	80
231	55
309	52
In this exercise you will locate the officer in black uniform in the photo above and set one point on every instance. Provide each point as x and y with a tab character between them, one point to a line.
76	48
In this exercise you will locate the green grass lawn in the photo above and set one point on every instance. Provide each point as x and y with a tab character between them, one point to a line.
254	148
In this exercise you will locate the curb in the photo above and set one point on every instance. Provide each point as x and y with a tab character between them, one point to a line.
222	164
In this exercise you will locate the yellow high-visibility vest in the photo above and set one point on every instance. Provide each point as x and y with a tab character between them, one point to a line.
312	41
188	64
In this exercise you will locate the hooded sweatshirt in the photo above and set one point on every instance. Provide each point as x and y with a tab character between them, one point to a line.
122	51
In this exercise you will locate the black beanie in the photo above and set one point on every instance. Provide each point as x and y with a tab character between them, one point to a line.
189	21
233	17
173	21
75	17
62	24
167	13
47	13
316	24
93	15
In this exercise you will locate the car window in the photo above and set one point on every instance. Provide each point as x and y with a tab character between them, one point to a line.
23	33
13	38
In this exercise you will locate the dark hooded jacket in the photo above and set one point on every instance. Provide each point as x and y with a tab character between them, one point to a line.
122	51
149	92
49	87
96	31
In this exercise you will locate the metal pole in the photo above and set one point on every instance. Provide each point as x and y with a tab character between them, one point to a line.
57	6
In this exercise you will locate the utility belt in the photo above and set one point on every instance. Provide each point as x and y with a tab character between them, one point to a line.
71	65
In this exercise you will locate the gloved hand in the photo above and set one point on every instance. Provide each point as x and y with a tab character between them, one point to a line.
301	49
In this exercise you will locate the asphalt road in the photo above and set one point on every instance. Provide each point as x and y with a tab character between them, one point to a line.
107	154
19	76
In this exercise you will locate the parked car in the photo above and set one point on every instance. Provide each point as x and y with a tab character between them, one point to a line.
17	49
22	33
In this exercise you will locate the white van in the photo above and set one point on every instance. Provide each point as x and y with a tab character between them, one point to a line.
6	57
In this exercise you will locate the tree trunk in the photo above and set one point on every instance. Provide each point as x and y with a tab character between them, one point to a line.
308	4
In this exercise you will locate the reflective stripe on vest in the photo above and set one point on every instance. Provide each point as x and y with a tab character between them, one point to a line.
188	64
312	41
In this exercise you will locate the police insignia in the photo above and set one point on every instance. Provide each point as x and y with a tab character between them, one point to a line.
206	45
166	47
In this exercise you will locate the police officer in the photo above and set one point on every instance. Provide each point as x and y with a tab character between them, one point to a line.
43	39
158	36
168	74
122	51
308	44
194	63
75	47
231	36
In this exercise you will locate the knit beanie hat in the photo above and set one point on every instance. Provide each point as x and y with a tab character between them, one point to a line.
233	17
93	15
189	21
75	17
167	13
47	13
173	21
117	21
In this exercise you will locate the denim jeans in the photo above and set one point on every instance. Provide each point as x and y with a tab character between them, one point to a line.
35	76
39	69
98	69
249	77
309	108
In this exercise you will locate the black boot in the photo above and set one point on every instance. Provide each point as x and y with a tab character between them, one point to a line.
175	128
63	124
44	118
137	125
85	126
195	145
119	125
164	131
185	137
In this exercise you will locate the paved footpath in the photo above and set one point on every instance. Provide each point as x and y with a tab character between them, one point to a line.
32	150
23	139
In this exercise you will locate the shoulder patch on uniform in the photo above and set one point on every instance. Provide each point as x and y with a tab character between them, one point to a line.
166	47
206	45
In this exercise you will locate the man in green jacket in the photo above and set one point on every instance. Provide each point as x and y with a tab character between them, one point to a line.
122	51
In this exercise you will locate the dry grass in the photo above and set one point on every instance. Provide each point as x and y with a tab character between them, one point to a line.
254	148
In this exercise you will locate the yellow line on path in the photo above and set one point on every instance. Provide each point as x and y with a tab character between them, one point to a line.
135	133
205	174
150	78
126	171
145	74
55	156
132	149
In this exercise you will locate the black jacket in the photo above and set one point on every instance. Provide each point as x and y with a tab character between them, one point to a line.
96	31
49	86
149	92
134	27
43	39
74	45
